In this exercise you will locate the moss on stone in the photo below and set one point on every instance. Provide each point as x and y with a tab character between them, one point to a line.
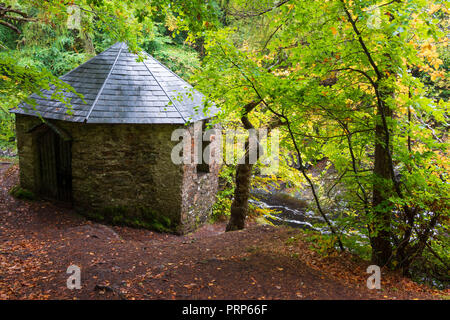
20	193
140	217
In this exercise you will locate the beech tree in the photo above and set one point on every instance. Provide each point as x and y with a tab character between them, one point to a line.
342	78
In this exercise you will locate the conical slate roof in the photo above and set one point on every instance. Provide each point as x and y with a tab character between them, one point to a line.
117	89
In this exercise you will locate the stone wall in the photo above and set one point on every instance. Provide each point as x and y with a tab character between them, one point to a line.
125	170
27	152
199	188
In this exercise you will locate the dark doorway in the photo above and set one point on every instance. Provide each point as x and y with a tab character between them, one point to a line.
55	166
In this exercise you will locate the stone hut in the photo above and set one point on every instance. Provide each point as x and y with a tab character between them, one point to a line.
110	155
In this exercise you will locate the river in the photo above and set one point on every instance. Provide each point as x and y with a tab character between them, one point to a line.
292	212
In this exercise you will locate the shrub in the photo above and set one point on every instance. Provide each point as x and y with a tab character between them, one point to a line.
20	193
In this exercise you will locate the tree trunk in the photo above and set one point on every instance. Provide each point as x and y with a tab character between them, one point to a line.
381	242
239	207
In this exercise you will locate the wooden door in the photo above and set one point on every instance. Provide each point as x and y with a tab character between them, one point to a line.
55	166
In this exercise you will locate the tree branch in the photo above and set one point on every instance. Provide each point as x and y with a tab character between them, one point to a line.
260	13
10	26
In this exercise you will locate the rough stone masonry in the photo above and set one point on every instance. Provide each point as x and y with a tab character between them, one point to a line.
124	174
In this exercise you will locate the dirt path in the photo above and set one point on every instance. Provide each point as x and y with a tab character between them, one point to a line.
38	241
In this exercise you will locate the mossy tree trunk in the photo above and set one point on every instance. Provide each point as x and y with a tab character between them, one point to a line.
239	206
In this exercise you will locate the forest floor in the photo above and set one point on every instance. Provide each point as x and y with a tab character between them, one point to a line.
39	241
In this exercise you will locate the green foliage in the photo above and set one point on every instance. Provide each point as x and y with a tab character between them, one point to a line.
329	70
23	194
178	57
17	81
7	130
224	198
324	244
59	58
432	267
7	37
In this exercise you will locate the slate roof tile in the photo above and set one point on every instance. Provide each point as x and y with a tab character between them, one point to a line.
118	89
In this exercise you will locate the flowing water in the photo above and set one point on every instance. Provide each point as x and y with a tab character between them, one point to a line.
292	212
